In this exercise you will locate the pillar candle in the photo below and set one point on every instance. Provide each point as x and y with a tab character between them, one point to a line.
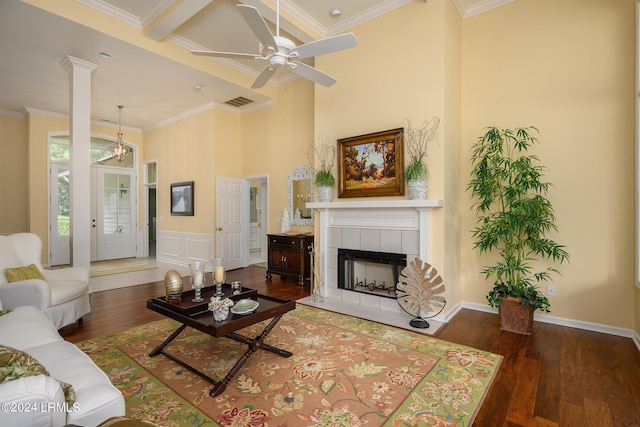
219	274
197	278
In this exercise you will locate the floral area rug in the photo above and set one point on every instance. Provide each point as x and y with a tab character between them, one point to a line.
344	371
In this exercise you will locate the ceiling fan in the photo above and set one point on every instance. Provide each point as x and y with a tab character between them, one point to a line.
279	51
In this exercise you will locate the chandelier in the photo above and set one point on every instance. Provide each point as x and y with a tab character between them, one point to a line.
119	151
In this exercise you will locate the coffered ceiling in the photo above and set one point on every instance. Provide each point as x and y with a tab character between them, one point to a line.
152	88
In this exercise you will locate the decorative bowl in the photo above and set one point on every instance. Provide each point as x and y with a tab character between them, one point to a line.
244	306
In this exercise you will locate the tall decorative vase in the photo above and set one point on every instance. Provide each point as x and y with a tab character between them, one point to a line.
219	273
418	189
197	279
325	194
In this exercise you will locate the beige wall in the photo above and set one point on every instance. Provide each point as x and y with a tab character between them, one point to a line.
406	65
14	170
274	140
267	142
37	141
568	68
198	149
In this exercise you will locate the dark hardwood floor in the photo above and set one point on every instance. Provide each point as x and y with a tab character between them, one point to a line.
558	376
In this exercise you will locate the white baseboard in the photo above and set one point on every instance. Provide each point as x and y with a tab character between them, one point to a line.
560	321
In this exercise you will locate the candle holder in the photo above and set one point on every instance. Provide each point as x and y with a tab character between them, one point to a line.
197	279
219	273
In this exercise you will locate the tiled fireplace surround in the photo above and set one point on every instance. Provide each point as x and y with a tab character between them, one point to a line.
398	226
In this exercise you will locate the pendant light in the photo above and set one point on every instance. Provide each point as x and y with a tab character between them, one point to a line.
119	150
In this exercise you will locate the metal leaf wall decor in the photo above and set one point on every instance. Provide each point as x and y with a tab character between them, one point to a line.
417	290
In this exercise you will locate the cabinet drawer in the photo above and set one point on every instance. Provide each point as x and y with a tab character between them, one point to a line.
282	240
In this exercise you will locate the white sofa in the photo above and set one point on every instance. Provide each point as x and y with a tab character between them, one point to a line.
39	400
63	296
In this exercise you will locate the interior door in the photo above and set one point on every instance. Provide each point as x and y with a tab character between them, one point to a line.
59	214
114	217
231	224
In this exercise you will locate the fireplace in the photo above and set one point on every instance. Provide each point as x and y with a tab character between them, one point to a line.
370	272
388	226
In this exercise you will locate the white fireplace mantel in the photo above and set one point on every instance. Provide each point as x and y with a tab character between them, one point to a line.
378	204
401	214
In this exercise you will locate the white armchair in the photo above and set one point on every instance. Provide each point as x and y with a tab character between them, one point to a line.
63	297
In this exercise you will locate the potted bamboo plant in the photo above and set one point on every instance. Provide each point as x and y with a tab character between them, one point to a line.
513	219
416	172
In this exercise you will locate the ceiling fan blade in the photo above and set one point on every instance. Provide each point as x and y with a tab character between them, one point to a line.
311	73
324	46
257	25
225	54
264	77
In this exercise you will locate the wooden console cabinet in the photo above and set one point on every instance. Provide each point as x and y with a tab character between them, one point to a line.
289	256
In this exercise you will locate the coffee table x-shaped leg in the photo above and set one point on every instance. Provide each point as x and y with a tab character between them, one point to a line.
252	343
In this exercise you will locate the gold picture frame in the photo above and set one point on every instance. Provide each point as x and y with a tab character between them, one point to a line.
371	164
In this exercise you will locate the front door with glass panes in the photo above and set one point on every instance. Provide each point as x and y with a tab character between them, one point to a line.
113	202
113	214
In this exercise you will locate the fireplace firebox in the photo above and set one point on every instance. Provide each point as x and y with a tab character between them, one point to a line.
370	272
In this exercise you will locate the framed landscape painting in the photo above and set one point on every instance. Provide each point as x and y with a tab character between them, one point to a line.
182	198
371	165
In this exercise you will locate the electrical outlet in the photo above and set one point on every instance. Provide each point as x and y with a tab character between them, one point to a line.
551	291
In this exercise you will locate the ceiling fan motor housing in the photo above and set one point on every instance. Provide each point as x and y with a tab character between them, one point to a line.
281	55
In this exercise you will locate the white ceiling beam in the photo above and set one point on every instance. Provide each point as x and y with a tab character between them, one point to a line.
182	12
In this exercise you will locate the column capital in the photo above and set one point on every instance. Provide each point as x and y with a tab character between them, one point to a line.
69	62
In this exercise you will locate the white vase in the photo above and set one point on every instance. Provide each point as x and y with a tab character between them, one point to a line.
418	189
325	194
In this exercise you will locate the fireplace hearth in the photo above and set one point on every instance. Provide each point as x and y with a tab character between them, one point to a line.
369	272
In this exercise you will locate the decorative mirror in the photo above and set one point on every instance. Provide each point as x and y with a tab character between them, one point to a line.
300	193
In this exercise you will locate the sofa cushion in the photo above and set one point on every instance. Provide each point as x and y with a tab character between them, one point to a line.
95	395
23	273
27	318
16	364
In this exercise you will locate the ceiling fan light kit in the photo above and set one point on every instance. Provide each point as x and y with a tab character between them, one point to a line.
280	51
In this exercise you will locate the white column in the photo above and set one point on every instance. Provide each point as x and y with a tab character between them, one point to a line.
80	165
425	230
322	247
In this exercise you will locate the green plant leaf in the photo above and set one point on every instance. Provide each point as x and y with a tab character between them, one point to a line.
513	215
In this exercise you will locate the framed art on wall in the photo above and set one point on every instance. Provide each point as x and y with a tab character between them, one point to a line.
371	165
182	198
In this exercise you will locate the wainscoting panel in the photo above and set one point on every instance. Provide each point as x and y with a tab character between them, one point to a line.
182	248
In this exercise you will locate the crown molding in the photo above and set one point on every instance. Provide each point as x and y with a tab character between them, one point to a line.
346	24
210	106
366	15
155	12
45	113
478	8
113	11
61	116
12	113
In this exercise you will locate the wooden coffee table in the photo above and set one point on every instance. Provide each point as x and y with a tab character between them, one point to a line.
197	315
